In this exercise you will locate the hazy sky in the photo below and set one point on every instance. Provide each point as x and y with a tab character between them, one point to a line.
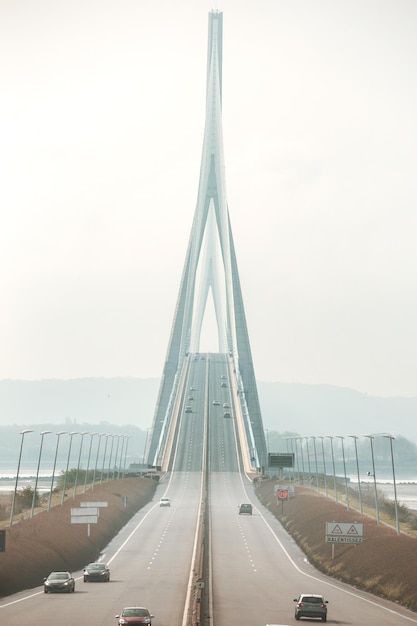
102	107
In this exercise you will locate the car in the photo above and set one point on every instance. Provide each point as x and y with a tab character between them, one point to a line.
191	398
188	409
226	405
245	508
216	403
59	581
224	384
311	605
98	572
223	377
134	615
192	388
227	414
164	502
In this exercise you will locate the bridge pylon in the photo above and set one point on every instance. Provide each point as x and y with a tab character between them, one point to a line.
211	269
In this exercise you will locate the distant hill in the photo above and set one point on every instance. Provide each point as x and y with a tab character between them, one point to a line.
299	408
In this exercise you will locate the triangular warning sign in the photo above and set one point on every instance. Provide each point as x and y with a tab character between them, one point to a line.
336	530
352	530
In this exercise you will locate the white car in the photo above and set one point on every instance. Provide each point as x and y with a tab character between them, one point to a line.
164	502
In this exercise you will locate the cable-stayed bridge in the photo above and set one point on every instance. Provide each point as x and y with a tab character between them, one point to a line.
210	271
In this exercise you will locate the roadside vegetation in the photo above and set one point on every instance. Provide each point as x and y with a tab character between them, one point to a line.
382	565
50	539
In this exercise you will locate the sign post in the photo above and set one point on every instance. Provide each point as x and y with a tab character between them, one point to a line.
343	532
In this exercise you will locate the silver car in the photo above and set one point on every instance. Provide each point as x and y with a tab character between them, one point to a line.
311	605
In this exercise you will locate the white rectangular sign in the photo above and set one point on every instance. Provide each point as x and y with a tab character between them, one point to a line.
84	519
84	512
344	529
94	504
344	539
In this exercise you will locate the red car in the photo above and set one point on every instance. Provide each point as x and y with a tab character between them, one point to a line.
134	615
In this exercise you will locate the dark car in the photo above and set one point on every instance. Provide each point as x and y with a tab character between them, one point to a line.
134	615
227	414
311	605
245	508
59	581
98	572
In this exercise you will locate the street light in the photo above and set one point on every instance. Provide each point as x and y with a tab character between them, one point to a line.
324	465
104	457
23	433
96	463
371	439
391	438
355	438
344	468
111	456
43	433
61	432
78	464
308	463
88	460
120	465
124	464
334	467
115	456
317	467
144	447
68	460
294	440
300	439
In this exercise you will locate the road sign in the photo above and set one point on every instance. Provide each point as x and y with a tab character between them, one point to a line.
280	459
331	539
94	504
282	494
84	519
344	532
84	512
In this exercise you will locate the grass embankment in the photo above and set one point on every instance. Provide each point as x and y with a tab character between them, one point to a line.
48	541
384	564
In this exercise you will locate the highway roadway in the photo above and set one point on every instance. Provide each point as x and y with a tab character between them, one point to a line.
256	568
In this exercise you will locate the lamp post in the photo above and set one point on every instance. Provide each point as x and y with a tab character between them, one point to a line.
124	463
115	456
23	433
104	457
88	460
297	460
317	467
146	443
355	438
43	433
324	465
308	463
68	460
96	463
293	454
371	439
344	469
397	521
111	457
61	432
78	464
334	467
120	465
302	457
